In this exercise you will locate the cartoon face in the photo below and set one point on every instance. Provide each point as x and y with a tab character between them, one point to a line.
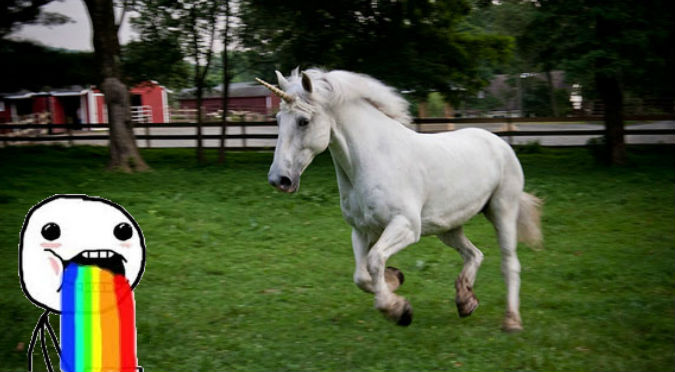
77	229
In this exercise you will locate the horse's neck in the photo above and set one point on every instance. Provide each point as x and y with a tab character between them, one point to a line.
361	139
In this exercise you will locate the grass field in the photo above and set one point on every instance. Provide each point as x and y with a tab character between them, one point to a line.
240	277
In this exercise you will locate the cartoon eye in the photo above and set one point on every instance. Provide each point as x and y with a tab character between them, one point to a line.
123	231
302	122
51	231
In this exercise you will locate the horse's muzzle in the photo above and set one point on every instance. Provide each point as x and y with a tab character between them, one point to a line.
283	183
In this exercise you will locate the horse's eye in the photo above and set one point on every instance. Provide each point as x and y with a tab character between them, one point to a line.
123	231
302	122
51	231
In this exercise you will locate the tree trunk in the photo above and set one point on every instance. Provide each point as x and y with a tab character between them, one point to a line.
124	153
609	88
612	96
551	92
226	85
200	144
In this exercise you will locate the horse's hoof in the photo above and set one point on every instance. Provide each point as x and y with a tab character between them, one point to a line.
400	312
394	278
406	316
467	305
512	324
465	298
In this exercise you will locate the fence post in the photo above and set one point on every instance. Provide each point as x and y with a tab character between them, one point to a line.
243	134
147	136
69	130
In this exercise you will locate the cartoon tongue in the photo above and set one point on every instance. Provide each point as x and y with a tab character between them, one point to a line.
98	327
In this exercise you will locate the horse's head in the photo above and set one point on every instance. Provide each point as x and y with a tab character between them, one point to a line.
304	129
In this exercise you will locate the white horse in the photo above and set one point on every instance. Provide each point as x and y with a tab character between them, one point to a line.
396	184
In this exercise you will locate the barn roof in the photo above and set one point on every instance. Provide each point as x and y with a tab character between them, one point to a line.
74	90
244	89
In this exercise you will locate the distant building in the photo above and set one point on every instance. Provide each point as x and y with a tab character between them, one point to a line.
509	89
80	105
150	103
247	96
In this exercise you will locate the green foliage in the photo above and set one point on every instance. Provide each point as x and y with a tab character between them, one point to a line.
160	60
507	18
415	46
34	67
240	277
487	103
625	40
537	99
436	105
184	30
239	62
14	13
511	18
158	54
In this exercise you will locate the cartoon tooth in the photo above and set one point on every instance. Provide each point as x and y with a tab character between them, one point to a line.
81	256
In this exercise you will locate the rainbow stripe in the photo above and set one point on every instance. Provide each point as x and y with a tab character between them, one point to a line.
98	326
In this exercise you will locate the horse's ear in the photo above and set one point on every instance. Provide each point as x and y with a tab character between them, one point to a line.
306	83
283	83
295	72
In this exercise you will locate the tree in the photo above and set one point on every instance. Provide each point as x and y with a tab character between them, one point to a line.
226	82
611	48
157	54
32	67
511	18
159	59
194	26
413	45
14	13
124	154
199	27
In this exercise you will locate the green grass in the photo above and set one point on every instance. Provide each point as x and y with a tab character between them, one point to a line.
240	277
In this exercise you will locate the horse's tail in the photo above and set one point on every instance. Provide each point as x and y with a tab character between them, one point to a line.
529	220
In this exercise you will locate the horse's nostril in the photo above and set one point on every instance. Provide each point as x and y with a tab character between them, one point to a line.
285	182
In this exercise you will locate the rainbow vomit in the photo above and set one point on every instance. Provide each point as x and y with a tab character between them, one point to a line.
98	332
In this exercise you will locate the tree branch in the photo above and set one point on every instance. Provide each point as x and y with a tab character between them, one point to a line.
212	36
125	6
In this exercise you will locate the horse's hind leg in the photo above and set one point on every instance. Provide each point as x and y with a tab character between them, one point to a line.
465	298
503	213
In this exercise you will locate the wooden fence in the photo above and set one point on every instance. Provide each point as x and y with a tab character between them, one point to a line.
264	131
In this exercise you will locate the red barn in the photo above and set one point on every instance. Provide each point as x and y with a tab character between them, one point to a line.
78	105
153	101
248	96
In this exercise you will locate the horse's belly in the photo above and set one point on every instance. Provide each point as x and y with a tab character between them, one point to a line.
439	220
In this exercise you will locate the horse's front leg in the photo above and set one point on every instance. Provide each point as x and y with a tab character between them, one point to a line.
361	245
398	234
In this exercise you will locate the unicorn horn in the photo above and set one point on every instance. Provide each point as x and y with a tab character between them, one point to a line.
278	92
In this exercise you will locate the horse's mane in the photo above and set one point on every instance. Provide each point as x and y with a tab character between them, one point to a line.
338	87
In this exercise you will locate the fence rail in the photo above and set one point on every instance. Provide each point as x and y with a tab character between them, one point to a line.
426	125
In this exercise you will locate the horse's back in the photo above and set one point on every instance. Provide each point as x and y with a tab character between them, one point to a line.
469	147
464	168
